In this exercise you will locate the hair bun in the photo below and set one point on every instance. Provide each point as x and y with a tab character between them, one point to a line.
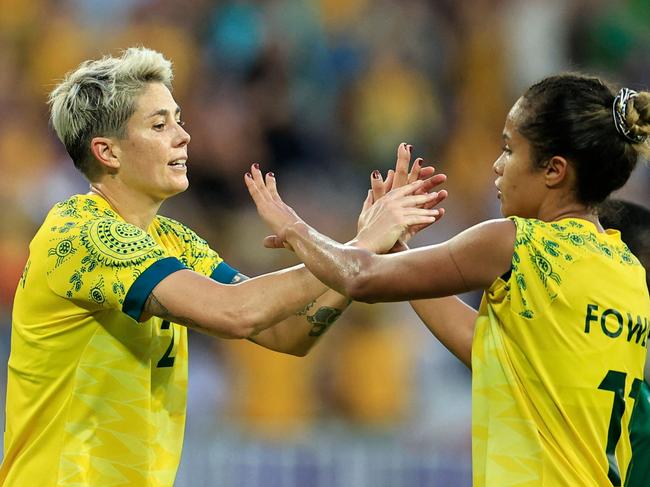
627	115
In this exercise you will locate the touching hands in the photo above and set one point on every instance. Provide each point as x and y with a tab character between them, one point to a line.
276	213
401	176
382	223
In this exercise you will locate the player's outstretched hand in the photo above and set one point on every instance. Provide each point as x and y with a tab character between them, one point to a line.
395	214
398	178
275	212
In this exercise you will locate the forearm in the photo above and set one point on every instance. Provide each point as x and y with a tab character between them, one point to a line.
298	333
281	295
232	311
451	321
333	263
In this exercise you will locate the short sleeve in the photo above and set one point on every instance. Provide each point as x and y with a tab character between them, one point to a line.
195	252
107	263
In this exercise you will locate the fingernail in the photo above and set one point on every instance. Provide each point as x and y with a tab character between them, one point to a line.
256	165
270	174
410	148
375	174
417	162
249	175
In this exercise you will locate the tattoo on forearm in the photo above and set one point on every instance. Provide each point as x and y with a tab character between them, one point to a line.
322	320
303	312
156	308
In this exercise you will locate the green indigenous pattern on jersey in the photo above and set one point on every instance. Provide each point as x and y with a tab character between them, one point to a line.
94	397
557	359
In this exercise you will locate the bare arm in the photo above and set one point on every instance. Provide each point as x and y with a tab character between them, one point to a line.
471	260
298	333
232	311
451	321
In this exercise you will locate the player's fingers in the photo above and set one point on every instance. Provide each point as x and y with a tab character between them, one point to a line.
388	183
271	186
426	171
422	212
257	174
376	185
368	202
418	200
258	181
253	189
273	242
441	196
402	164
414	174
408	189
421	219
435	180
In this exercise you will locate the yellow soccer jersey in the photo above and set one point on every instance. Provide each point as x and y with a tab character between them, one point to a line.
95	398
558	352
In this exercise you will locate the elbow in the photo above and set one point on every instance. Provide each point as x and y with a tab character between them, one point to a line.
236	325
298	351
359	288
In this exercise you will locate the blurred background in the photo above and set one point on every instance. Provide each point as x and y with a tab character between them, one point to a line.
321	92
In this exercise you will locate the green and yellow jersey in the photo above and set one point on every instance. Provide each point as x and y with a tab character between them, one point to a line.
557	359
95	398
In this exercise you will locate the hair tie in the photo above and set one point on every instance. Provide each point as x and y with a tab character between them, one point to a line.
619	109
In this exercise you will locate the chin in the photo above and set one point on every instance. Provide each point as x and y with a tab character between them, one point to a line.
173	190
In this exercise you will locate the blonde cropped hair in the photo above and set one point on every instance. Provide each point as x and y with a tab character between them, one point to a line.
98	98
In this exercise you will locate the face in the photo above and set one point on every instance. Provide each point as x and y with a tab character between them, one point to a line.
520	185
153	154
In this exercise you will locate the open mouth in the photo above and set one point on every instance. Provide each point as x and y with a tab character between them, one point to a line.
179	164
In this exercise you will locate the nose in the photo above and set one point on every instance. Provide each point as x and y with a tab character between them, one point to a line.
183	136
498	166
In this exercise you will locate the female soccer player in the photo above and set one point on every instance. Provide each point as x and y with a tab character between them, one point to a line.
97	382
558	344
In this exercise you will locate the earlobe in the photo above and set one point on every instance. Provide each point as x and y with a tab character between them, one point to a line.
106	152
556	171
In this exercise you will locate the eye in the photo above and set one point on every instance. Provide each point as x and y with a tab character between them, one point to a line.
181	123
506	150
159	126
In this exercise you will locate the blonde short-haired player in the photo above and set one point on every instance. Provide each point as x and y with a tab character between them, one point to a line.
558	344
96	392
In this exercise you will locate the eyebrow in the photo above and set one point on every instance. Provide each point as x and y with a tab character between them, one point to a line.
164	112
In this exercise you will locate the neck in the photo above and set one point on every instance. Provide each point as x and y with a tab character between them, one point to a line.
570	209
136	208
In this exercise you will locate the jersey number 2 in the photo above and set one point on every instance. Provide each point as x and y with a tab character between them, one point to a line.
615	381
166	360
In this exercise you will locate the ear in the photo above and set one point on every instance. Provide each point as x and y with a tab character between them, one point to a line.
107	152
556	172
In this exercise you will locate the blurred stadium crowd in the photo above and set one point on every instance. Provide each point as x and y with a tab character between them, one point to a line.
321	92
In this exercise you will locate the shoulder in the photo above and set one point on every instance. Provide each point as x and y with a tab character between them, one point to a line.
81	230
484	251
115	242
192	250
491	236
166	226
79	208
